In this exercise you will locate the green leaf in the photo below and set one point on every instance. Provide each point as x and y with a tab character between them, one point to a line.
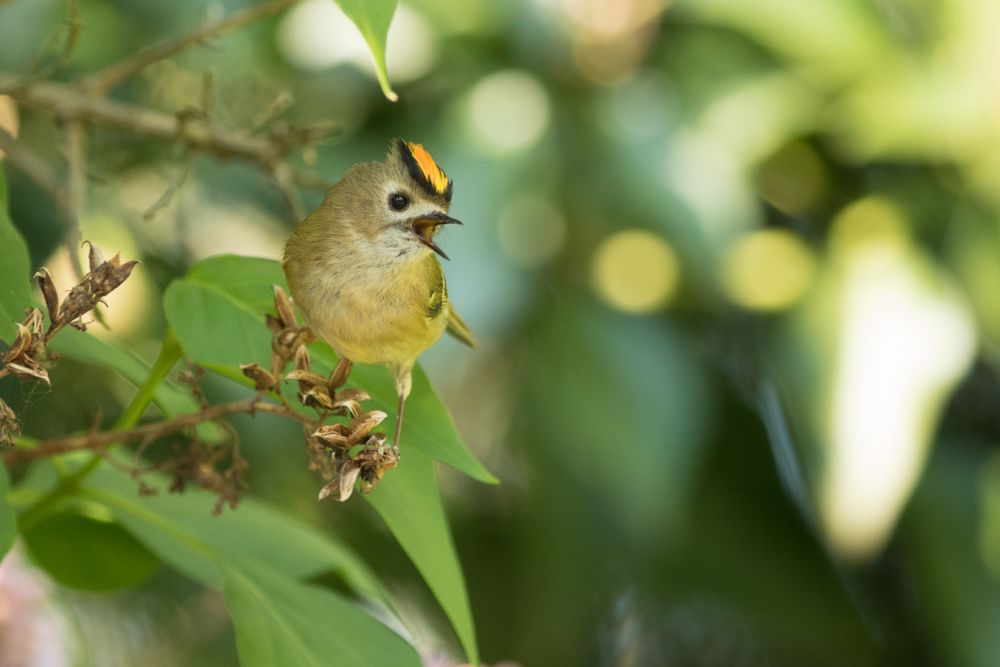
372	17
409	502
180	529
282	622
214	330
89	554
247	283
171	399
408	498
8	521
15	288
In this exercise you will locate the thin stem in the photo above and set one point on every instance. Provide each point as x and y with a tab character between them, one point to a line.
76	199
103	80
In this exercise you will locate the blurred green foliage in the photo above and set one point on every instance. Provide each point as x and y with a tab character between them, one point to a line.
761	432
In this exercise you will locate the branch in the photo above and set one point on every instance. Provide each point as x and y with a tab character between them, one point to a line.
76	198
105	79
66	101
149	432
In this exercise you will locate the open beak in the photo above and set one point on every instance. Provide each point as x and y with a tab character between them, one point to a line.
426	225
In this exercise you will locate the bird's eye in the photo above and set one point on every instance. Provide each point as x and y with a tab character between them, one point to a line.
398	201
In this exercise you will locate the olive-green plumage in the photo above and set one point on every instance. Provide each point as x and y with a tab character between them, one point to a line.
362	266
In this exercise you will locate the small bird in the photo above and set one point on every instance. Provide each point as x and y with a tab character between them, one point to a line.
362	266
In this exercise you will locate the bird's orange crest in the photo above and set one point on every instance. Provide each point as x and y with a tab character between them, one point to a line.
428	167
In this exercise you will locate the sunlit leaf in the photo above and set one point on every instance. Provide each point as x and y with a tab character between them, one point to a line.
372	17
15	291
181	531
103	555
409	502
282	622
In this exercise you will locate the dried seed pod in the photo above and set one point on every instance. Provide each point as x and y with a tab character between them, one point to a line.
316	397
352	394
342	486
273	323
302	358
362	425
22	341
340	374
103	278
23	357
29	372
49	293
347	407
262	380
283	306
335	435
94	256
306	378
10	427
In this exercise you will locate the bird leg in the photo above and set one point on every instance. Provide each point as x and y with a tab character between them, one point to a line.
399	419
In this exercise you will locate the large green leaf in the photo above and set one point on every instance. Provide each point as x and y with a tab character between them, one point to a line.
214	330
15	289
409	502
180	529
247	283
282	622
408	498
372	17
8	521
171	399
103	555
258	554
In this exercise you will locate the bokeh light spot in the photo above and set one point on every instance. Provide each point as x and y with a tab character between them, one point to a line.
635	271
507	112
905	338
768	269
869	219
531	231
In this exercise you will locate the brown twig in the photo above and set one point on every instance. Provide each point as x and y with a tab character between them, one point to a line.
154	431
105	79
68	102
285	182
76	185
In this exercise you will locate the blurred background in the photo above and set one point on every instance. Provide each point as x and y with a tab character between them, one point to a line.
735	269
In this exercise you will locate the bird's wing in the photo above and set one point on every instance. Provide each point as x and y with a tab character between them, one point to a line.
438	300
460	330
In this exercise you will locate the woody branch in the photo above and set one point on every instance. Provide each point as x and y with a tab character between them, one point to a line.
80	103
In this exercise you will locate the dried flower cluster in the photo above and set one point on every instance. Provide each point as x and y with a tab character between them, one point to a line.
342	452
216	467
25	356
104	277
